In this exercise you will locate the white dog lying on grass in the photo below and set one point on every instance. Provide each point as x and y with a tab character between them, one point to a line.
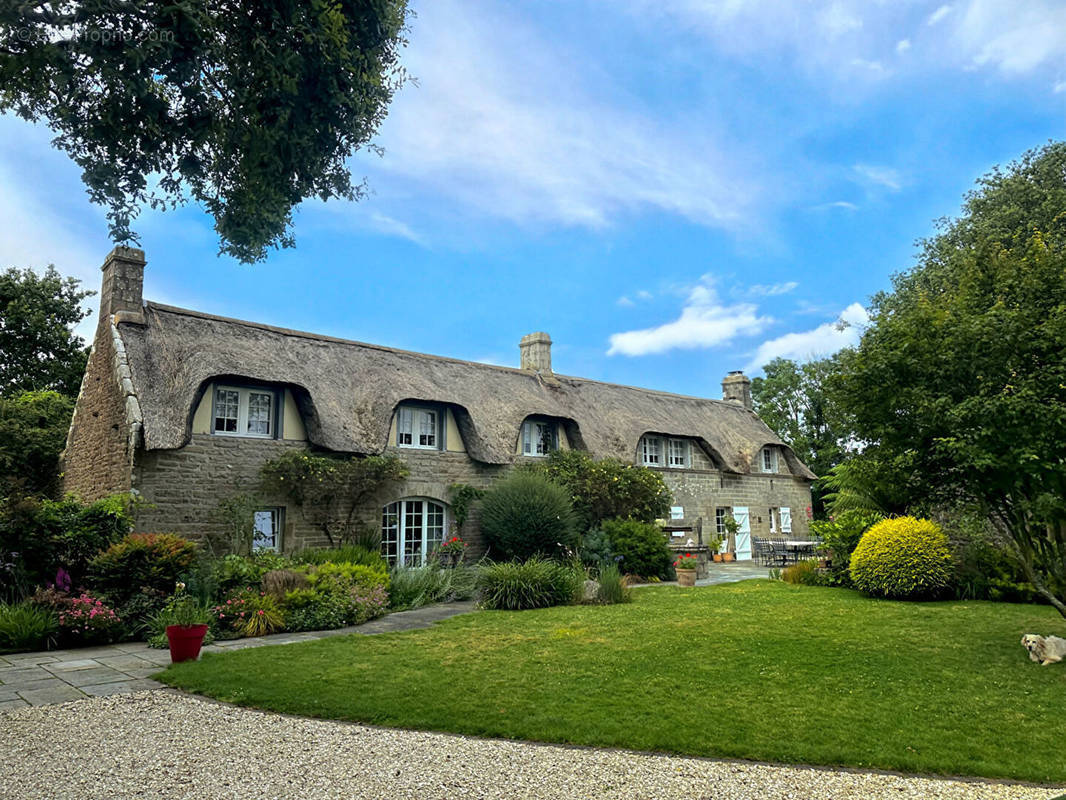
1046	650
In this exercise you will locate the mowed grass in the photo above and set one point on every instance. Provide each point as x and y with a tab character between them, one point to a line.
756	670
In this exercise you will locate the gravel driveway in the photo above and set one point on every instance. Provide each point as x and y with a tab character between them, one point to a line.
167	745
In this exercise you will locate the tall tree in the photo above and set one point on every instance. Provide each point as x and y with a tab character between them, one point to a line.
38	347
249	106
962	373
33	431
794	401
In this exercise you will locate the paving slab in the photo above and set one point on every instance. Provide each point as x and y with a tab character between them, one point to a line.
123	687
87	677
11	705
125	662
20	677
62	693
73	665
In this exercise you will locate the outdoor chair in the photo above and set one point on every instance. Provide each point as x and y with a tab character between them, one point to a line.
775	557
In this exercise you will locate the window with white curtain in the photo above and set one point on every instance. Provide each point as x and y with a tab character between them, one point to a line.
244	411
658	451
419	427
538	437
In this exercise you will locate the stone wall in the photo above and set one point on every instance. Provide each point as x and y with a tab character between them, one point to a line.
96	461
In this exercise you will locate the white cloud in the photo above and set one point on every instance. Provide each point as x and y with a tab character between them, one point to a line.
772	289
704	322
938	15
394	227
887	177
844	204
903	45
873	67
1059	87
1012	36
625	302
837	20
822	341
643	294
505	124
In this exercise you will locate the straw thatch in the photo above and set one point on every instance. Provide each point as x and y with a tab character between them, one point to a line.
348	391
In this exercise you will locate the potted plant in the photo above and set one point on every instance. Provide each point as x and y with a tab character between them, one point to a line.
686	567
714	545
451	552
731	528
186	626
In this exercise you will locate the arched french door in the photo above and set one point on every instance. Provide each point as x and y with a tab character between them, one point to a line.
411	529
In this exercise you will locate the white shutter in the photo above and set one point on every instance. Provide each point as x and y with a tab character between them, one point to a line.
740	514
786	519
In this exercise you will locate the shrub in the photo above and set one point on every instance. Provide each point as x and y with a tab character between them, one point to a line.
525	514
88	620
248	613
308	610
357	574
535	583
612	586
803	572
608	488
360	591
234	571
595	551
25	626
141	562
349	554
904	558
840	535
279	582
413	587
642	547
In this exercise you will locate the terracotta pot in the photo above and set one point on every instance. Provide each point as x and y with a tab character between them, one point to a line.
185	642
729	557
717	558
686	577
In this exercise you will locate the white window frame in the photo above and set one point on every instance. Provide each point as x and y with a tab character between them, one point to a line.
720	514
244	394
768	454
685	453
534	433
414	545
773	520
651	449
277	523
411	422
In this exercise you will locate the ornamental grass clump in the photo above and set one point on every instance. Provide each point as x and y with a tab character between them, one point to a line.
24	626
534	583
903	558
248	613
527	515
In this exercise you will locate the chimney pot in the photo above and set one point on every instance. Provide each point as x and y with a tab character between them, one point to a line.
123	284
535	350
736	388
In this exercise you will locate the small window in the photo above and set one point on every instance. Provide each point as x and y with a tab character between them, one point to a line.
678	456
769	460
419	427
773	520
244	412
538	437
266	533
720	516
652	447
677	512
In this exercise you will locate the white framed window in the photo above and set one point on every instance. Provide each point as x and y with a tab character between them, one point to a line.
773	520
244	411
411	530
677	453
266	531
652	451
538	437
769	459
419	427
721	514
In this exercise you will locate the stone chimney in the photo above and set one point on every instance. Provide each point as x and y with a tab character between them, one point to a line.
536	353
736	388
123	283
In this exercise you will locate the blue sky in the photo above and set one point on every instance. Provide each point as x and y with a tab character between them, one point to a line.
670	188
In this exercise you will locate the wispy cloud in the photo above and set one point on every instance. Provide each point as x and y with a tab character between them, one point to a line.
903	45
771	289
824	340
705	321
938	15
887	177
625	302
842	204
503	125
394	227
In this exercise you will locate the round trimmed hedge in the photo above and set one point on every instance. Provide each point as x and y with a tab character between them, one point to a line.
902	558
525	514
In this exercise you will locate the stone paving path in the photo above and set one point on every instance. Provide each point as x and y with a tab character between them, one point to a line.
56	676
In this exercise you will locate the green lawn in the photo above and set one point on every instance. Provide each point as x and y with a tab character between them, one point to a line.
757	670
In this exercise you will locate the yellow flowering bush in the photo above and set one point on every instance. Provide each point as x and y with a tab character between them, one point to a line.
903	558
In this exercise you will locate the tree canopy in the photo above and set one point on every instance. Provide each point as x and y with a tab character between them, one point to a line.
38	348
33	431
249	107
961	375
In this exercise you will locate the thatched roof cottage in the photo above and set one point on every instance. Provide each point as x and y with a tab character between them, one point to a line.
185	407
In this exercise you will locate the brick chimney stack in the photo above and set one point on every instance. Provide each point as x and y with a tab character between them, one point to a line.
122	286
535	351
736	388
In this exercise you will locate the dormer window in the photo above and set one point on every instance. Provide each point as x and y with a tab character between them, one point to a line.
539	437
244	411
769	459
420	427
659	451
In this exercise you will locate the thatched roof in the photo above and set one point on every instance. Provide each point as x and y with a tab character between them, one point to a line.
348	392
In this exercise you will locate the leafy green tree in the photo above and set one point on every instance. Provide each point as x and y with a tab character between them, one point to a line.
38	348
249	107
961	376
793	399
608	488
33	432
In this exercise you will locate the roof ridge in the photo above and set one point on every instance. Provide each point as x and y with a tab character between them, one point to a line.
384	348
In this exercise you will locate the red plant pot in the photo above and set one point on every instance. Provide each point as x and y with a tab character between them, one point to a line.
185	641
